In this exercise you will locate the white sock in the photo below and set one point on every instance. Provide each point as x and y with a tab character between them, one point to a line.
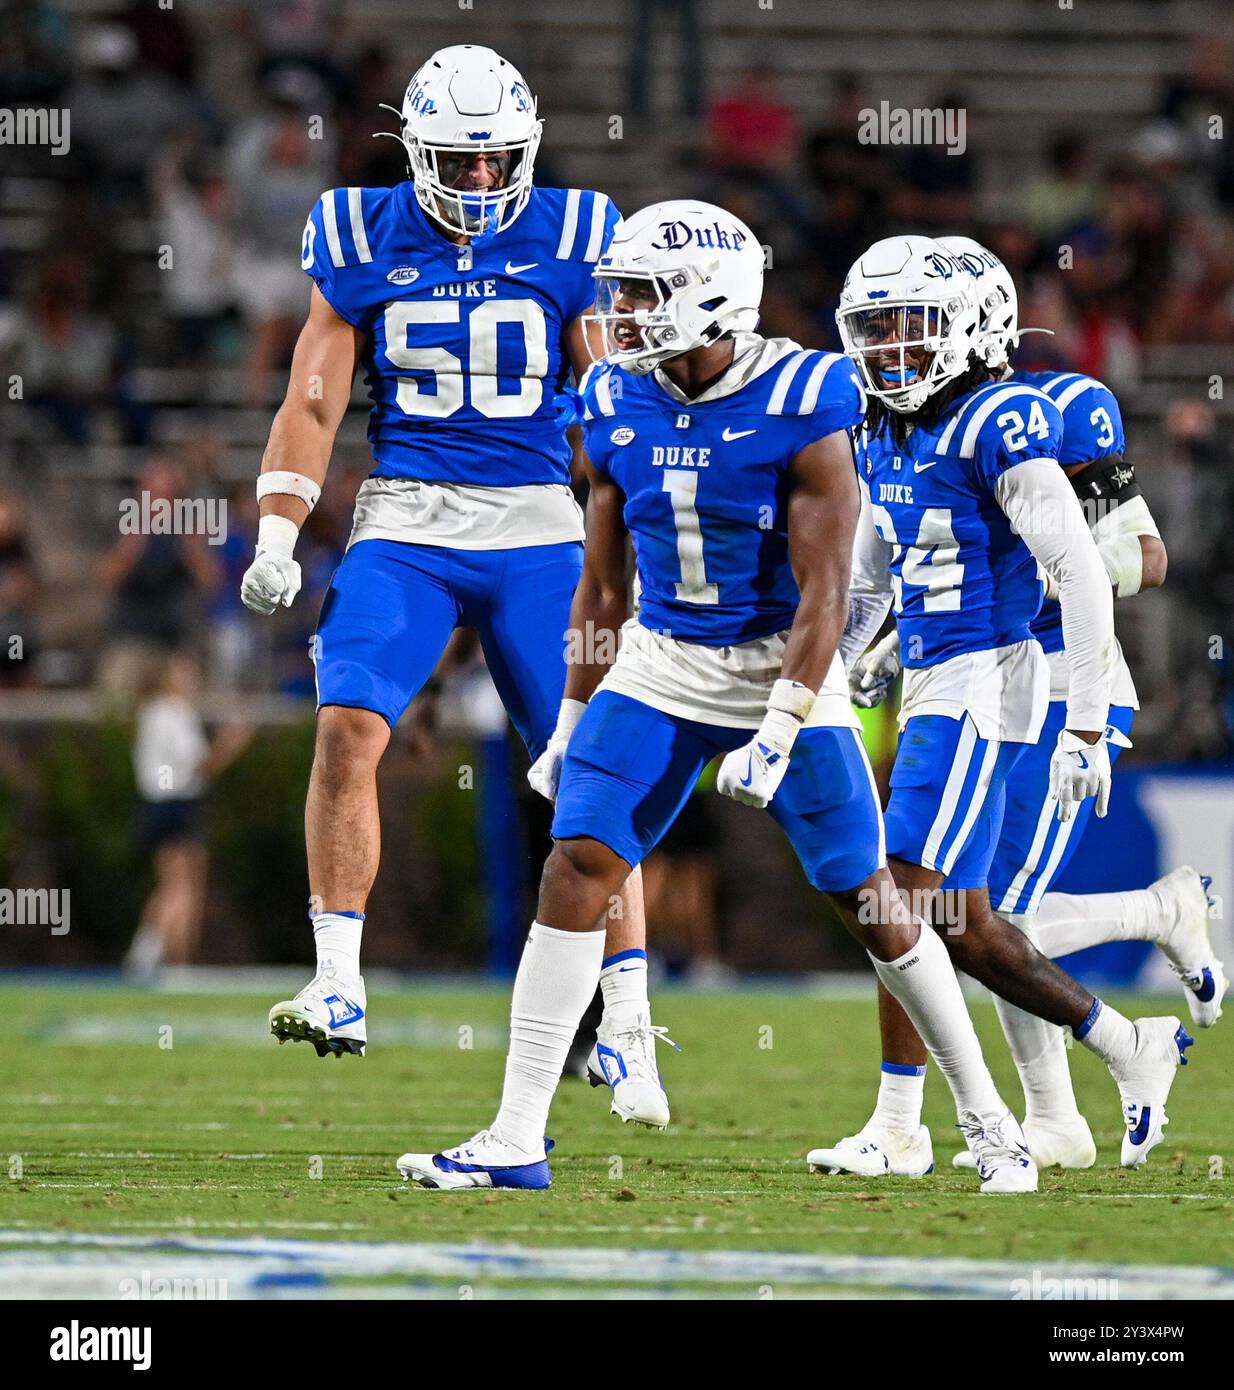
900	1089
1040	1051
924	981
623	981
1107	1033
337	938
555	982
1067	922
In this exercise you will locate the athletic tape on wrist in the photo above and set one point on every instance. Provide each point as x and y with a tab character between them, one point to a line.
283	483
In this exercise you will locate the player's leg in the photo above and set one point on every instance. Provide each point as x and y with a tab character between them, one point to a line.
384	622
627	771
522	612
1171	912
1033	846
959	843
946	791
828	807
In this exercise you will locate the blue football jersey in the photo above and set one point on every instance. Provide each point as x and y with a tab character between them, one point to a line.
963	581
463	351
1092	429
706	492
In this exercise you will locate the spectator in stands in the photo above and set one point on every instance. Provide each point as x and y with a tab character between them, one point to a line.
297	34
18	596
280	161
175	762
34	53
935	190
158	584
61	349
1065	194
234	640
116	103
194	207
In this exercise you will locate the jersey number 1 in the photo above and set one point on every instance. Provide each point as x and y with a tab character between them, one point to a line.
682	488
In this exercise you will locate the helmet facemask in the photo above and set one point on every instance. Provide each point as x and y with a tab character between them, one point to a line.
905	349
435	168
638	316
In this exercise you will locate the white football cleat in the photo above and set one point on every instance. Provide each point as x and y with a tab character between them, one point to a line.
1187	946
624	1059
329	1012
1000	1152
482	1162
1144	1084
877	1153
1067	1145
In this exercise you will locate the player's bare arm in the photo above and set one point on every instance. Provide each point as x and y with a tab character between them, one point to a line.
601	601
823	508
600	605
293	468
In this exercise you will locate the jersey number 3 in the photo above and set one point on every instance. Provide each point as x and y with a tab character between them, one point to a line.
451	375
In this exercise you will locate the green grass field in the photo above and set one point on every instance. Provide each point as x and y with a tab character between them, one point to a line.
134	1115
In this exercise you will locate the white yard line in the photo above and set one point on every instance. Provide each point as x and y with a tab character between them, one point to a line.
68	1265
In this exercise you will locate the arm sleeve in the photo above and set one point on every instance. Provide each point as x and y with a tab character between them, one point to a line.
869	594
1043	510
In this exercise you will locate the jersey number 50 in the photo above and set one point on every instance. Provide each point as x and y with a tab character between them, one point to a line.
479	373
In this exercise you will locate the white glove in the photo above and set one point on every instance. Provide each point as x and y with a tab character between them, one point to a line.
873	675
752	774
274	577
545	772
1079	770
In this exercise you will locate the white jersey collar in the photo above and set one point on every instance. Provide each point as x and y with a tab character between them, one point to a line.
752	356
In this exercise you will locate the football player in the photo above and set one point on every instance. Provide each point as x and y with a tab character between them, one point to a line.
1034	846
727	457
461	292
964	499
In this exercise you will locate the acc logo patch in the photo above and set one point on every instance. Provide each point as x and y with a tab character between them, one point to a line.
403	275
622	435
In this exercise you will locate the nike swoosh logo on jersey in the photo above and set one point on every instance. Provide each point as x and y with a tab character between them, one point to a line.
519	269
729	435
921	467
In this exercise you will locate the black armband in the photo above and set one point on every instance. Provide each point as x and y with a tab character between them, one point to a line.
1106	482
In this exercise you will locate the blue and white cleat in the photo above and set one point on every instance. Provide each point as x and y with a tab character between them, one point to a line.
329	1012
1000	1152
1187	946
484	1161
1145	1084
624	1060
1067	1144
877	1153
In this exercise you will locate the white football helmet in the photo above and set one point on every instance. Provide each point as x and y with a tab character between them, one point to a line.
468	100
677	276
998	328
907	295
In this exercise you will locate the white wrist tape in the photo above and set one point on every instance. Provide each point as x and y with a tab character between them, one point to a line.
787	709
286	484
568	715
277	535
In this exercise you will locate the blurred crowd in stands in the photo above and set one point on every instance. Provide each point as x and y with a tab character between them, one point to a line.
1119	251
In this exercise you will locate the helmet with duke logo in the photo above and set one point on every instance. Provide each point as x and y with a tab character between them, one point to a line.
908	317
677	276
464	102
998	329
